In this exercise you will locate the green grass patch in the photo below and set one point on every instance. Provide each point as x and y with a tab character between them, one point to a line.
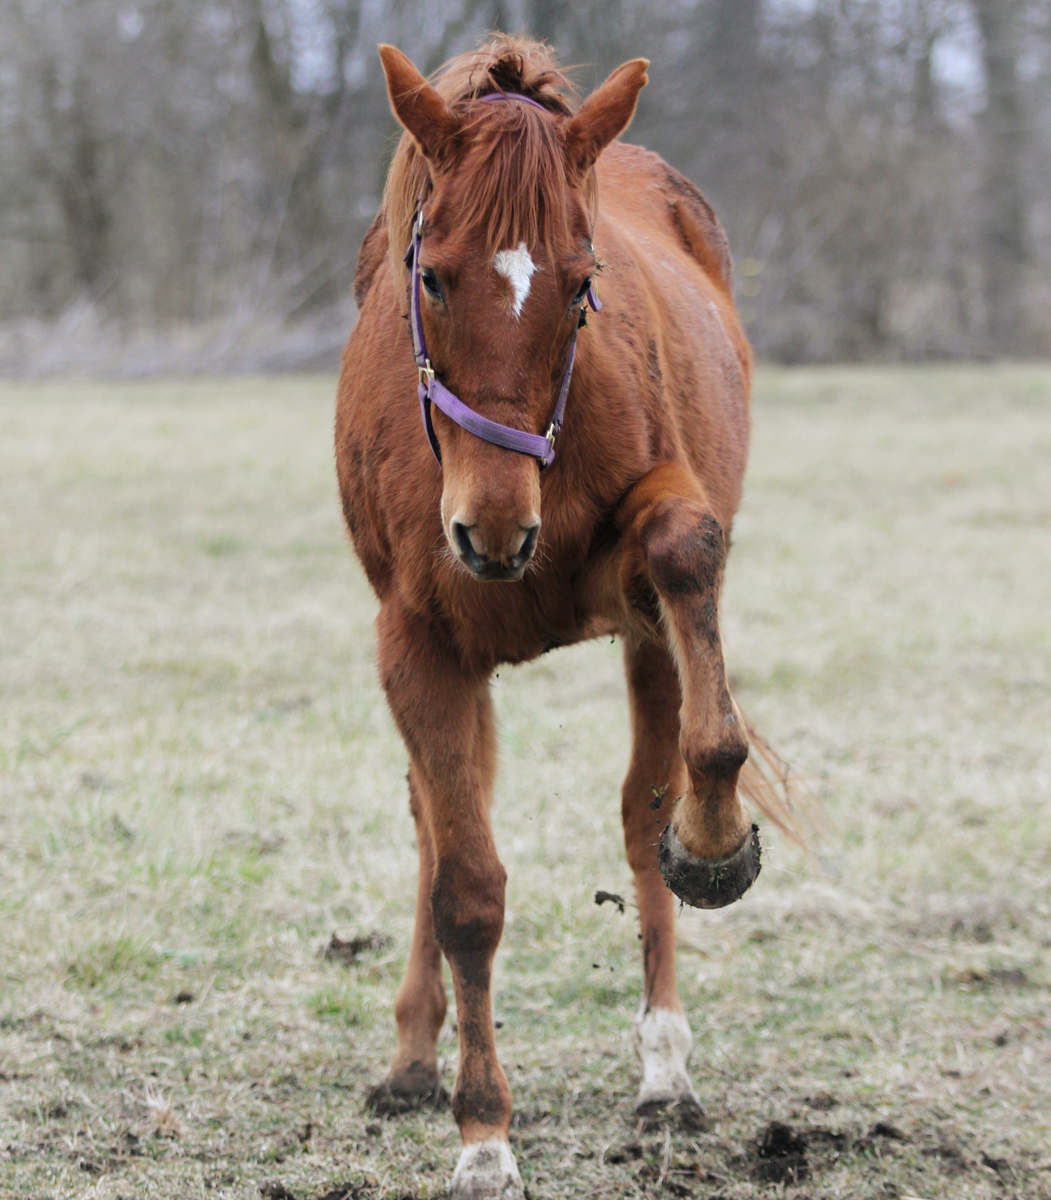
108	964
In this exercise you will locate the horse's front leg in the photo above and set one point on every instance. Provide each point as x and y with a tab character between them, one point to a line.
656	777
445	716
413	1080
675	551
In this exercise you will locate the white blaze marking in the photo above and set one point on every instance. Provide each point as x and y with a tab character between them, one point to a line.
517	267
487	1169
663	1041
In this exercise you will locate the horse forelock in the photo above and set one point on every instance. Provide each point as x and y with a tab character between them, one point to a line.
511	160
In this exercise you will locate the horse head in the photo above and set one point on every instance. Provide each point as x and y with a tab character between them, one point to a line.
497	203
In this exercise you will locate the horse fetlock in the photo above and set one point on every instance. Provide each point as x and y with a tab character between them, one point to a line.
420	1008
487	1171
720	759
709	883
482	1106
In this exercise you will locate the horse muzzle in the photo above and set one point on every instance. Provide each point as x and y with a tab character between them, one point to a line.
506	564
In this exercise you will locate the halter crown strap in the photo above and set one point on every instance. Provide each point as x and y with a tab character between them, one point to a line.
511	96
431	390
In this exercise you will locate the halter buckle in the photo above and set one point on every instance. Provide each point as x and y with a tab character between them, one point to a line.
550	433
426	374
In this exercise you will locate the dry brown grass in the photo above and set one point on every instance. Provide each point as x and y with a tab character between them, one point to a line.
199	783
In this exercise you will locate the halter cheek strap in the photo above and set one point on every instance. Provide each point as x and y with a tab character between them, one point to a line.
431	390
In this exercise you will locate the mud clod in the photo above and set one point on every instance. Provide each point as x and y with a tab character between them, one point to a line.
884	1129
972	978
951	1156
346	1191
348	951
781	1152
275	1190
628	1152
183	997
835	1139
602	897
1001	1166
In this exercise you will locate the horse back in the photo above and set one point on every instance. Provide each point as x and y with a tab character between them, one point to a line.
638	186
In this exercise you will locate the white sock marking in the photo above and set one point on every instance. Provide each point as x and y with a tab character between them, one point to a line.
486	1169
517	267
663	1041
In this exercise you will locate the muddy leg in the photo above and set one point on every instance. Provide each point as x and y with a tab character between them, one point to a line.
413	1080
709	852
445	717
656	778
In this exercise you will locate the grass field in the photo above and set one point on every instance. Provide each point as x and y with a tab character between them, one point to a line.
199	784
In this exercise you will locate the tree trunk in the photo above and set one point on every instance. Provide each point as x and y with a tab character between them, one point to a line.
1004	247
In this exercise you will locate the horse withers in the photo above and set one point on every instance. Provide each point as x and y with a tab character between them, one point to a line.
518	477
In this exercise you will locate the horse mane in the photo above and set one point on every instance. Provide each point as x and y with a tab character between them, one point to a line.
515	154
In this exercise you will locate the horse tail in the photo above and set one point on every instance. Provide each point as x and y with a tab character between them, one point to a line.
769	784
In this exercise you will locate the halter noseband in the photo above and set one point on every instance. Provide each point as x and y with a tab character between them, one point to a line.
431	390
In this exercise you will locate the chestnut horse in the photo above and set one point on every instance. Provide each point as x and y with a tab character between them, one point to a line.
487	541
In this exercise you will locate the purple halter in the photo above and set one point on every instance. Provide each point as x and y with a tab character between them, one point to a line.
432	391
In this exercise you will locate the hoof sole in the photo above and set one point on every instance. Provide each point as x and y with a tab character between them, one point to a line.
704	884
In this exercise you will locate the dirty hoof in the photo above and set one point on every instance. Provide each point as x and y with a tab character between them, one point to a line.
486	1171
705	884
410	1090
684	1113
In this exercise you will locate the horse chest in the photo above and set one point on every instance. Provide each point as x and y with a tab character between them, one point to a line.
518	622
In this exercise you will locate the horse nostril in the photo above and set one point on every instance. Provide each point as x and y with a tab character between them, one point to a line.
525	551
462	538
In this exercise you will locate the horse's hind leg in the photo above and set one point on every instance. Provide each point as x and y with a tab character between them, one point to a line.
413	1080
655	779
445	716
673	566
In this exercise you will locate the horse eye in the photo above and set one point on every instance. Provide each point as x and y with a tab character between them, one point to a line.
430	282
582	291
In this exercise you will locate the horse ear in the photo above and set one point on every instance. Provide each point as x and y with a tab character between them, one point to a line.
605	114
417	105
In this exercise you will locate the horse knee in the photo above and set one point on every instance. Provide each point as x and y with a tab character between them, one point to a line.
684	548
467	903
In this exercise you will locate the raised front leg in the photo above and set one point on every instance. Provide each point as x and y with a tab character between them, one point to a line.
413	1080
445	717
672	573
656	777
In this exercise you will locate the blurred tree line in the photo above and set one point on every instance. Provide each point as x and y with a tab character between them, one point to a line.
882	166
